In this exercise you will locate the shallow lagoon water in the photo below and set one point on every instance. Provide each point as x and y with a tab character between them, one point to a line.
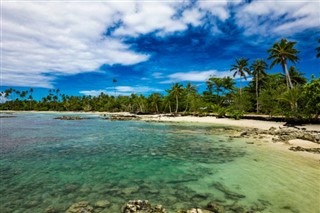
55	163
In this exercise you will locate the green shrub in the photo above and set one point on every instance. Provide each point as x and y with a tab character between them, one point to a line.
236	114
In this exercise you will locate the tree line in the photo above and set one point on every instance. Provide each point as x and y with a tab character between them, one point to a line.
286	94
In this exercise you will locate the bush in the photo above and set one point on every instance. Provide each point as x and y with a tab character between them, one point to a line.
236	114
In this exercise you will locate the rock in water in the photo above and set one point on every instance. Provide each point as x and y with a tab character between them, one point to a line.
80	207
141	206
102	204
215	208
70	118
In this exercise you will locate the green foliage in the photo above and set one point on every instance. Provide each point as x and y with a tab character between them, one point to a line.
311	98
221	111
236	114
289	102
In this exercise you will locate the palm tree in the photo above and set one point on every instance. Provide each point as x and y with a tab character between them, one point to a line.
280	53
190	89
155	99
297	77
176	91
30	96
257	69
114	81
241	68
167	102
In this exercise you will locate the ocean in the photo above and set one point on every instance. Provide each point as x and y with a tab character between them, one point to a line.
49	163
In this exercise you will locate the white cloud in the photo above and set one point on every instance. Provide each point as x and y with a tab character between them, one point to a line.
122	90
267	18
195	76
192	16
157	75
59	38
149	17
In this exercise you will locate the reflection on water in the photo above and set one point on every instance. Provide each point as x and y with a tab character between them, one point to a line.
55	163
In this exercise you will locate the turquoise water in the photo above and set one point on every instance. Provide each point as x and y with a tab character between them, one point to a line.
55	163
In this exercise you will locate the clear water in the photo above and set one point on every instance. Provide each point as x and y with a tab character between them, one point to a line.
55	163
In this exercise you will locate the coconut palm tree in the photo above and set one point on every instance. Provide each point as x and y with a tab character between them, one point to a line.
189	90
241	68
114	81
297	77
30	97
280	53
176	91
154	100
258	70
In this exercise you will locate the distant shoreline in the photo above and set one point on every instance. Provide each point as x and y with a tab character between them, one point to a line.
243	122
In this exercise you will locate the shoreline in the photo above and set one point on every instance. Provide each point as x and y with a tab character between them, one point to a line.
244	124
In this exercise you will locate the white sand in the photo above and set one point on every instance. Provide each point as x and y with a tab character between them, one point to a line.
303	143
223	121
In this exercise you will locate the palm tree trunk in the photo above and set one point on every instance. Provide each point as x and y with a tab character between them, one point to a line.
185	110
257	93
177	104
288	79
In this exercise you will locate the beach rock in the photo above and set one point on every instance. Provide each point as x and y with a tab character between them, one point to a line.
142	206
70	118
272	129
227	192
194	210
299	148
80	207
308	136
245	133
123	117
215	208
51	210
130	190
102	203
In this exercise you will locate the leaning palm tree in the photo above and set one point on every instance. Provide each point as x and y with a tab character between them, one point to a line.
297	77
176	91
280	53
258	70
241	68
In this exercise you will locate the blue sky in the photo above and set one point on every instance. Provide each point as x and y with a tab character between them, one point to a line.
79	46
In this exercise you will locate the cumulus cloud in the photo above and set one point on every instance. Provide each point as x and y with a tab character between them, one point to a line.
149	17
58	38
267	18
122	90
194	76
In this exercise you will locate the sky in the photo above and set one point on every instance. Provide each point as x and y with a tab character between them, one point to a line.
80	46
